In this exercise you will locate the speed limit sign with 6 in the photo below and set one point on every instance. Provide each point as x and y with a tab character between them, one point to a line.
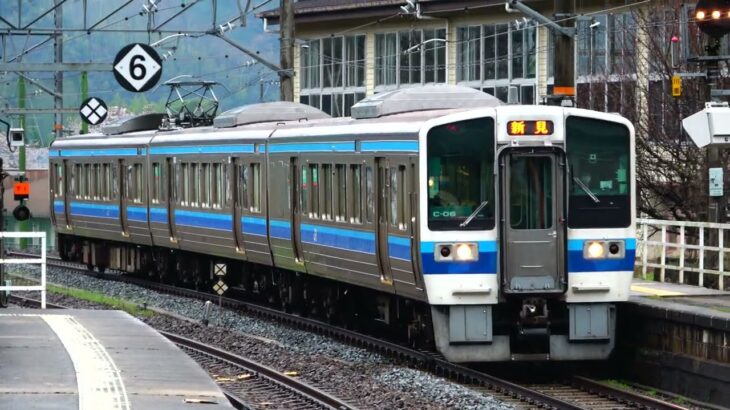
137	67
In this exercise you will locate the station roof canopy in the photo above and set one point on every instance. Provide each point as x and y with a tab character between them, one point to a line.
306	11
429	97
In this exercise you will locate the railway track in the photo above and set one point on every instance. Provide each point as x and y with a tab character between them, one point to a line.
576	393
246	384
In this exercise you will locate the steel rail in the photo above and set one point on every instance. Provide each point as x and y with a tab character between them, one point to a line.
427	360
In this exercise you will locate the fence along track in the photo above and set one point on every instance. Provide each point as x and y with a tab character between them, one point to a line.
519	395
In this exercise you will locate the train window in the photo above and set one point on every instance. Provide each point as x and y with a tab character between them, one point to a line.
243	190
218	186
531	192
598	154
91	171
221	179
194	179
156	183
394	205
59	180
256	179
139	184
304	192
369	194
107	181
460	178
205	185
87	181
341	181
355	186
403	198
326	191
185	197
314	173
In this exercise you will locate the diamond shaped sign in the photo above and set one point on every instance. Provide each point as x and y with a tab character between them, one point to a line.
220	287
137	67
93	111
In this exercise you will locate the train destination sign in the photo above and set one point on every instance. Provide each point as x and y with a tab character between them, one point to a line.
137	67
522	128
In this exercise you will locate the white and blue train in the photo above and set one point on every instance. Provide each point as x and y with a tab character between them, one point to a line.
489	232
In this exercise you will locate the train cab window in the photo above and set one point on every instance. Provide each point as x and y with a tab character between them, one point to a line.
341	182
598	154
327	191
256	179
314	194
369	195
356	194
460	177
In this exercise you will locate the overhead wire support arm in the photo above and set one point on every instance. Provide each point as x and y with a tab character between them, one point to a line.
535	15
47	12
254	55
108	16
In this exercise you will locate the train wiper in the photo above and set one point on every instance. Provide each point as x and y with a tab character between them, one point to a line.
473	215
586	190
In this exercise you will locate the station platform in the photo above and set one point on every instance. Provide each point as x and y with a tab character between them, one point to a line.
95	359
686	303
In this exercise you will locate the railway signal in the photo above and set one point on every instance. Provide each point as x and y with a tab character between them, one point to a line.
713	17
21	192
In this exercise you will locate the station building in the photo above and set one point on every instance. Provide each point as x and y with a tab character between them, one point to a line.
624	52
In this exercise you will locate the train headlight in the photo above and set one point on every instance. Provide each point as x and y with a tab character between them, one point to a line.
466	252
594	250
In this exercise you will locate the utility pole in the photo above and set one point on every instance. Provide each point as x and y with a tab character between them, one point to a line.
286	19
564	51
58	58
84	96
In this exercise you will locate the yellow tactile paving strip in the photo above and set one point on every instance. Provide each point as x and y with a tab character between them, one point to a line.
654	292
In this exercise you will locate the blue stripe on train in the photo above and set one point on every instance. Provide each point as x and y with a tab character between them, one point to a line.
487	263
280	229
94	210
58	207
253	225
158	215
116	152
313	147
403	146
203	149
399	247
577	263
137	214
347	239
207	220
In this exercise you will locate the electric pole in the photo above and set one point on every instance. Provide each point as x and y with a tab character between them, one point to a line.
58	59
564	50
286	75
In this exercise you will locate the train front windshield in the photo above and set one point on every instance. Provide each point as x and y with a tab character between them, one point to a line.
600	173
460	176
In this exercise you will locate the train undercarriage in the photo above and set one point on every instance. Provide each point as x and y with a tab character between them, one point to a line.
532	328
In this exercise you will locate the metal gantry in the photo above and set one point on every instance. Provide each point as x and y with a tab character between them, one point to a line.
36	35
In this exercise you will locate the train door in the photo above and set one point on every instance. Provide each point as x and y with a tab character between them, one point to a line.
67	184
237	192
296	214
532	223
172	185
124	177
382	188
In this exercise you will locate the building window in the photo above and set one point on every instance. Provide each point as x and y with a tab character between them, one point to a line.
410	57
499	59
333	73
